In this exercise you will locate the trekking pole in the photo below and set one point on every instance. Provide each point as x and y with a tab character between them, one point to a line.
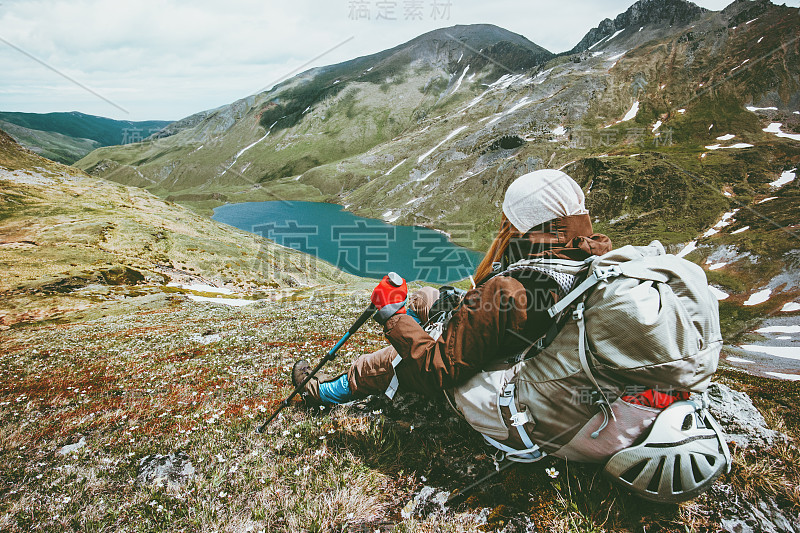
459	495
328	357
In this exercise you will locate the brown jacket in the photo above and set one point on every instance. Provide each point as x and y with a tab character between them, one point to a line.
497	319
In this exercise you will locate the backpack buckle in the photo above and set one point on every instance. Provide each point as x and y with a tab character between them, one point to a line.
519	419
603	273
577	314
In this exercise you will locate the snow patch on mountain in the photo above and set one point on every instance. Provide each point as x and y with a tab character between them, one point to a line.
718	294
452	134
788	352
458	83
775	128
737	145
687	249
395	167
246	148
785	177
781	375
758	297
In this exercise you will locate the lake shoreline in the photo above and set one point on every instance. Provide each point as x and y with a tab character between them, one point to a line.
361	246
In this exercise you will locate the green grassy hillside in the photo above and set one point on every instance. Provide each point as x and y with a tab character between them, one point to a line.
67	137
69	241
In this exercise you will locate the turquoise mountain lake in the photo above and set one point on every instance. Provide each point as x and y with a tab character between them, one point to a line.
361	246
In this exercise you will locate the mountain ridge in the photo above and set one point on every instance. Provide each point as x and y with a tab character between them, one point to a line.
68	136
642	13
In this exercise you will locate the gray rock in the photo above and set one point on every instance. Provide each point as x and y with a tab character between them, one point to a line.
173	471
70	448
520	523
426	502
744	425
762	516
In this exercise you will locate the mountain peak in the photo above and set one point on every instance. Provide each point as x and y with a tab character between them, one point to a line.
477	36
642	13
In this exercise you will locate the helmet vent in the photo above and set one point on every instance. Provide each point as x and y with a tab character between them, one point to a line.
698	476
656	479
677	482
633	472
687	422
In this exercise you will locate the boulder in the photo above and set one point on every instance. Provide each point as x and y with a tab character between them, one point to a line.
71	448
173	470
760	516
427	501
744	425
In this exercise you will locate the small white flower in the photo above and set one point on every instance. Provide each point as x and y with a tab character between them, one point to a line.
331	431
285	432
423	478
552	472
411	428
297	472
297	435
223	494
322	437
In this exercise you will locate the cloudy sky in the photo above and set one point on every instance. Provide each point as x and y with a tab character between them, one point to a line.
166	59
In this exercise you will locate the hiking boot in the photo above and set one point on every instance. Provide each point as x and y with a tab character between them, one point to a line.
310	392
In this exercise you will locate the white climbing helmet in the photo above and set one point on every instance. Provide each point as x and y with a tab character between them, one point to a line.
681	457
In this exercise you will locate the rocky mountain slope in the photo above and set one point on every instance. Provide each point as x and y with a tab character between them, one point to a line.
448	120
69	241
67	137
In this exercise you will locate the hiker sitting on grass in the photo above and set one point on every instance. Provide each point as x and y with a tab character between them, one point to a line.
609	380
544	216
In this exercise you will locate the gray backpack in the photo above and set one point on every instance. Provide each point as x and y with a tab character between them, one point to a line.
634	319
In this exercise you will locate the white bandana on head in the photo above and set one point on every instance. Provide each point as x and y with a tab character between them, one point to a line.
542	195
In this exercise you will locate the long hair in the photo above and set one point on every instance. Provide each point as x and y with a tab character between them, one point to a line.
497	249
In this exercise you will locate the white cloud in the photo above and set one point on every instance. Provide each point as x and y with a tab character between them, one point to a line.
168	59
